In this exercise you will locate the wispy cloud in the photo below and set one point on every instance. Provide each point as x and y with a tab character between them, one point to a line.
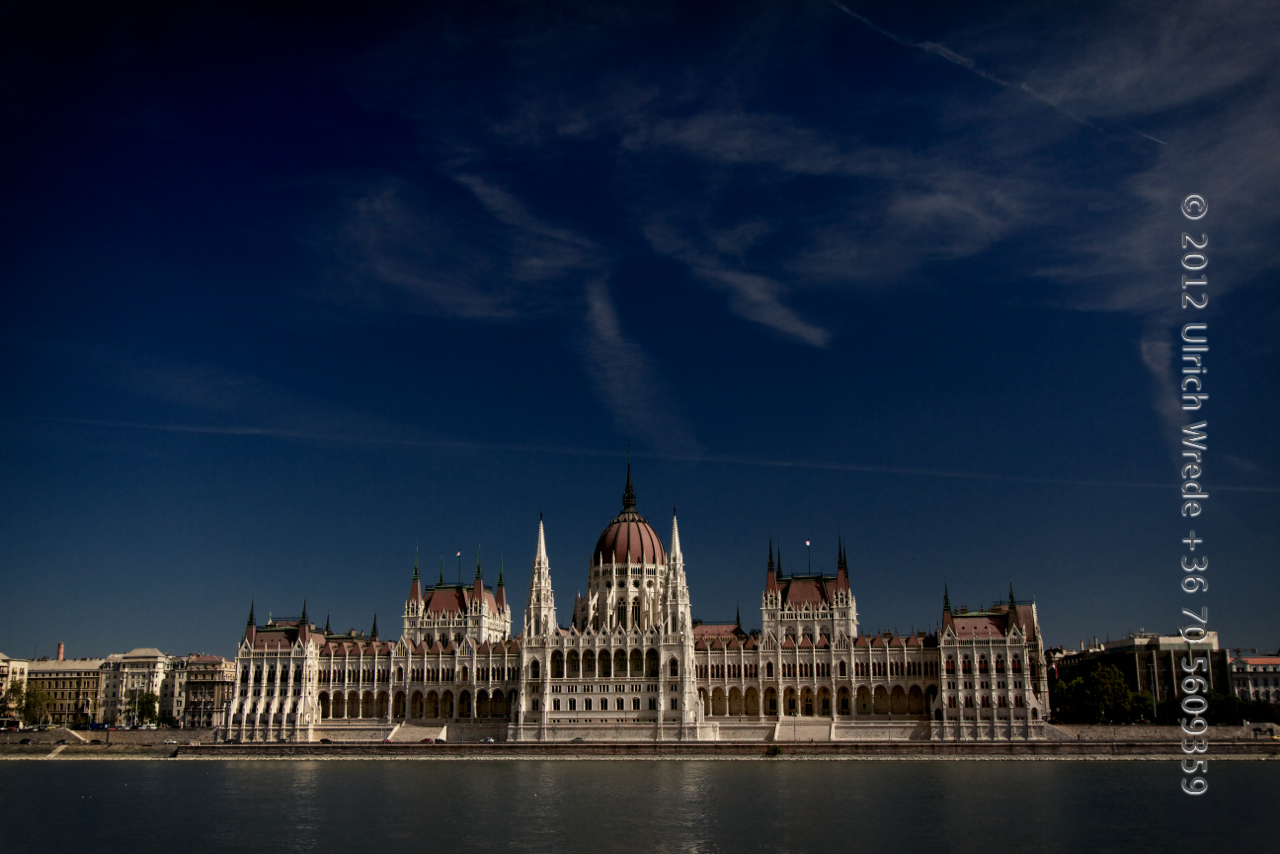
692	456
969	65
626	380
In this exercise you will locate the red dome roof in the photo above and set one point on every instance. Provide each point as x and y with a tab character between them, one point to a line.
629	537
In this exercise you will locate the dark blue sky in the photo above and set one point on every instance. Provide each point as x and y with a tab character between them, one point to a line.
286	297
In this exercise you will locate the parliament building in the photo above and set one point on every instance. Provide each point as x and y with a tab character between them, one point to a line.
631	664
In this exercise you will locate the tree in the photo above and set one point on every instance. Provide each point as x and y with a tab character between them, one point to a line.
13	703
35	704
1099	696
142	707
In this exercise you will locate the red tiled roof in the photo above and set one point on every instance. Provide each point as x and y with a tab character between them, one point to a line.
629	539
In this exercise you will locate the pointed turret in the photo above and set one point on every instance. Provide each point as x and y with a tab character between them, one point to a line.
628	494
946	599
374	634
477	586
540	608
676	555
540	558
304	611
326	625
500	594
415	584
304	628
770	578
251	627
842	567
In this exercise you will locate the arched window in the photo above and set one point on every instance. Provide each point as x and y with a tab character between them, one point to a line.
951	666
843	673
768	670
966	666
555	704
535	669
674	668
982	664
586	704
635	704
618	704
573	704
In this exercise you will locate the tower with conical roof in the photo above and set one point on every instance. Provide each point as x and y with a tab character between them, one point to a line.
540	607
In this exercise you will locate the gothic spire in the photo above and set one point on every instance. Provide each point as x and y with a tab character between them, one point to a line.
374	634
326	624
440	583
946	599
540	559
737	620
628	494
251	619
676	555
478	576
304	612
1012	601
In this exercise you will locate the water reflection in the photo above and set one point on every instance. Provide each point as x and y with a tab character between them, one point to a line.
602	806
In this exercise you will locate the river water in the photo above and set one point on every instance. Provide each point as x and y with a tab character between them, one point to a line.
602	806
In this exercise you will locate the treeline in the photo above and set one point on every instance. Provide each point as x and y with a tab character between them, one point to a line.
1101	696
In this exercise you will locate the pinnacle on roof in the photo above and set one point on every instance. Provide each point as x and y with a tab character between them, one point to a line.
478	576
304	612
737	620
499	570
440	583
251	620
374	633
1012	601
540	559
628	494
771	554
415	564
779	563
326	624
946	599
675	538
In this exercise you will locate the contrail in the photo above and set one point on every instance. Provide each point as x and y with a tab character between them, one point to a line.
721	459
969	65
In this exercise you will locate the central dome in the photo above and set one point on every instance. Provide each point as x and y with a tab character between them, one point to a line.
629	537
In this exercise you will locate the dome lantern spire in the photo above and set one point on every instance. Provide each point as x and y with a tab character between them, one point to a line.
628	494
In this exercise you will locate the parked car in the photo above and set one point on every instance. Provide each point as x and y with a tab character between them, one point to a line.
578	740
486	740
170	741
61	741
95	741
24	741
326	741
440	741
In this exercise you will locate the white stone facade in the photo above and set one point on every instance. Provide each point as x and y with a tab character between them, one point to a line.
631	664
